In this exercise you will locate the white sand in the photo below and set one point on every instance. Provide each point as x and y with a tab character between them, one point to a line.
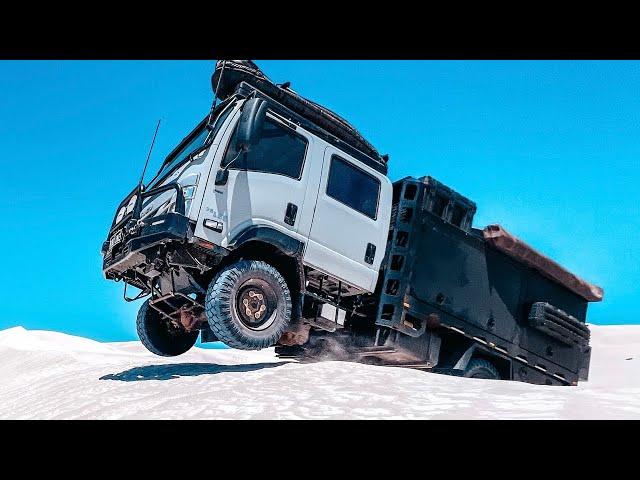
53	375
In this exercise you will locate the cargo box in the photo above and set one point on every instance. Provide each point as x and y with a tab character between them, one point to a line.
440	272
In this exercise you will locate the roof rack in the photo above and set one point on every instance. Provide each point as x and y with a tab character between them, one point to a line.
230	75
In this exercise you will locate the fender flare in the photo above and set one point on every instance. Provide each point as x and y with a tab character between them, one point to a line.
283	242
470	352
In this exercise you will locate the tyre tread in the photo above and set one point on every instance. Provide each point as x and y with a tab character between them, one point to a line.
481	363
178	347
218	305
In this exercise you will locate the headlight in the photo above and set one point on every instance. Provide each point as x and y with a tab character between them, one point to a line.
131	204
189	192
120	215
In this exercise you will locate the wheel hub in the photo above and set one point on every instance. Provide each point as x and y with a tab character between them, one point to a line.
255	304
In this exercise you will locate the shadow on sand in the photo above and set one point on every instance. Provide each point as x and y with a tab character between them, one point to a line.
176	370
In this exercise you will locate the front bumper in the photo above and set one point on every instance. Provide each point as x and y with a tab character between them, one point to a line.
133	252
138	237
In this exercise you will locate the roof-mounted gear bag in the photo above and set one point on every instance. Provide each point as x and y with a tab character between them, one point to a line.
230	73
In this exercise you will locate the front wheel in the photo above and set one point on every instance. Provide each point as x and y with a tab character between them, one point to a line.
159	336
248	305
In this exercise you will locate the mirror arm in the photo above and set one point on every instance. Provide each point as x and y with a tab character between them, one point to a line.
226	167
223	174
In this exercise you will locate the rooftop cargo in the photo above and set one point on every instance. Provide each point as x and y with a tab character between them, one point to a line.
230	73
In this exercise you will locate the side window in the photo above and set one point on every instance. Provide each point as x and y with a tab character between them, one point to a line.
280	150
354	187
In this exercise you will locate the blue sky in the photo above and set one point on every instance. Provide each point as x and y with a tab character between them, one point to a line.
548	149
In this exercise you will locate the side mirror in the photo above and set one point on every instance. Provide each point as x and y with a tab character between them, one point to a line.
247	134
250	124
222	176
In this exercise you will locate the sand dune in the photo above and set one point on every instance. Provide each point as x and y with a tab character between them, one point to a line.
52	375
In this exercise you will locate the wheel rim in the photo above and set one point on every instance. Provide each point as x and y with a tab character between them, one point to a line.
256	304
172	330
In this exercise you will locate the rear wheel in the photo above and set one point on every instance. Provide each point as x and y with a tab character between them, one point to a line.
481	368
159	336
248	305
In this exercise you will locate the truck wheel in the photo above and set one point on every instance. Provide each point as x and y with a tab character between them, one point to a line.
481	368
161	337
248	305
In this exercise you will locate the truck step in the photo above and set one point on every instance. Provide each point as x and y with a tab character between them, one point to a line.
322	323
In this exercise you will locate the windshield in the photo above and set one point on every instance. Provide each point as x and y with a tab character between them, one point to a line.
196	140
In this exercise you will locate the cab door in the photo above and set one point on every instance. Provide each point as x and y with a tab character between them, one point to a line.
266	186
350	225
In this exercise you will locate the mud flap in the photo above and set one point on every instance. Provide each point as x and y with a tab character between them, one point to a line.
207	335
462	363
583	372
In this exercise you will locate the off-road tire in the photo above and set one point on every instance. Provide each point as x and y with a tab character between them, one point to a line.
222	303
481	368
159	337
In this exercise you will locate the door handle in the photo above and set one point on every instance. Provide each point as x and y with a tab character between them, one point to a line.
290	214
370	254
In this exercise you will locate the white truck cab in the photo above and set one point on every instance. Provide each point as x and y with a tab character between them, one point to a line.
300	185
253	182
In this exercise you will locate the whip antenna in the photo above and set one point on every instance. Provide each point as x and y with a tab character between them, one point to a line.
153	142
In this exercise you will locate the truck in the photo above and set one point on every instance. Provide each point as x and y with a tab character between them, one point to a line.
274	224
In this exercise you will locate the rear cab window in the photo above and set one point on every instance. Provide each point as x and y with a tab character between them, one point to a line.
352	186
